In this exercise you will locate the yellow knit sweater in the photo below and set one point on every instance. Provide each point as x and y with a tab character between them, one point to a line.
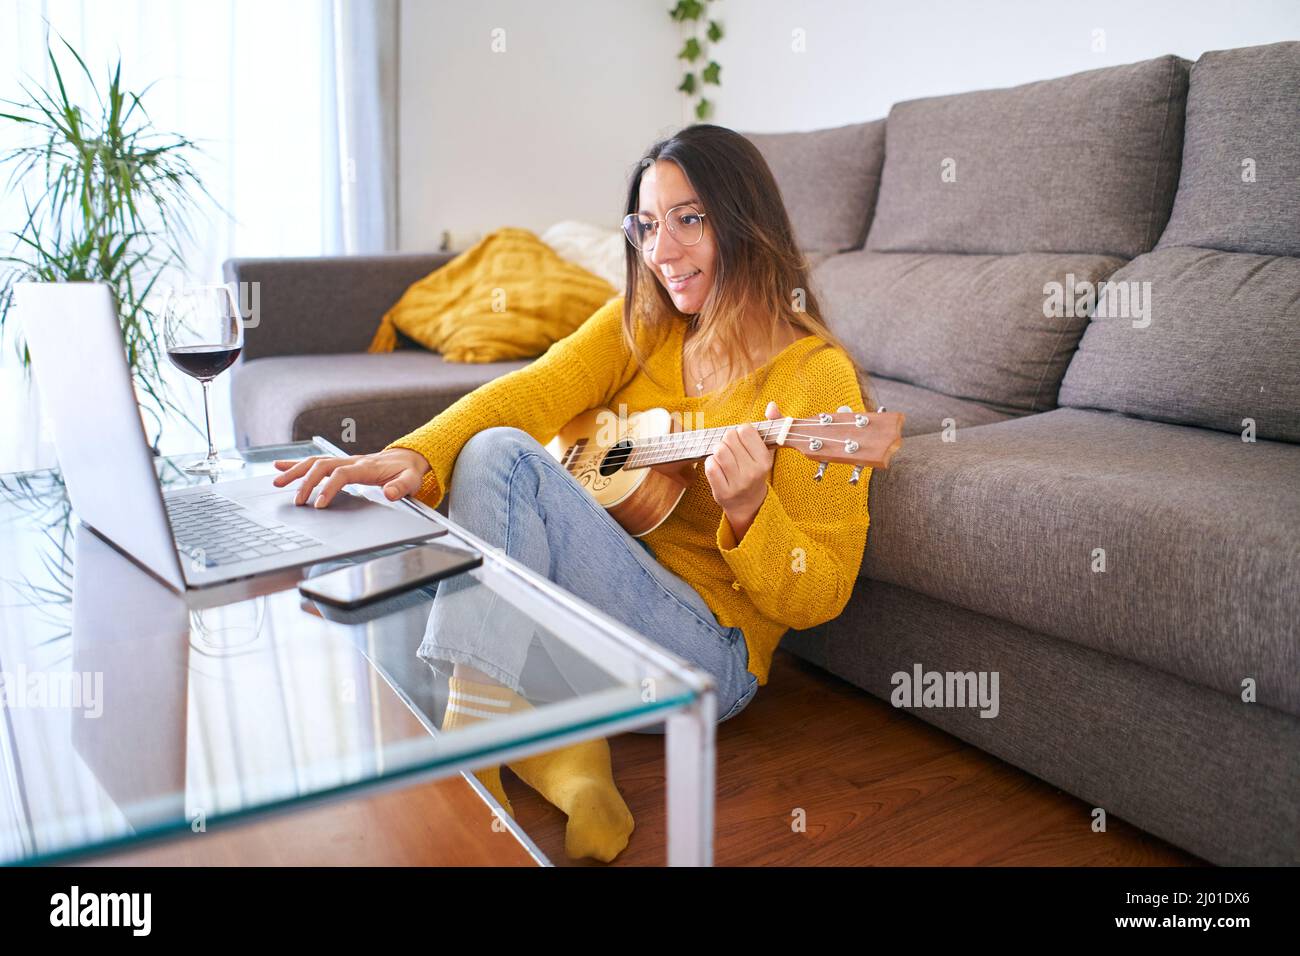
799	559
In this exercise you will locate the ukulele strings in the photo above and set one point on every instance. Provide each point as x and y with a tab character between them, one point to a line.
665	440
654	441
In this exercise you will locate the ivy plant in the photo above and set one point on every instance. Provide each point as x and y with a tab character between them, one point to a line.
695	50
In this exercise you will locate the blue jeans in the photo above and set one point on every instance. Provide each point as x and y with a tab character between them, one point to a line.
508	490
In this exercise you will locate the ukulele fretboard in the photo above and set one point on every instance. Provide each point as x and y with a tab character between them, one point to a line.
685	446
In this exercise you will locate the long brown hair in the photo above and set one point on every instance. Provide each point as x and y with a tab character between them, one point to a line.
761	278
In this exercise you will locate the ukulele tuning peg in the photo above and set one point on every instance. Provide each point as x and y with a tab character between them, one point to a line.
857	473
821	470
880	410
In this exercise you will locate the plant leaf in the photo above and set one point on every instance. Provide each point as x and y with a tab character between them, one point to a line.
107	198
686	10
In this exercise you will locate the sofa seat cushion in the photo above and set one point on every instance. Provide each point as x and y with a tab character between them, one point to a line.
928	411
1171	546
359	401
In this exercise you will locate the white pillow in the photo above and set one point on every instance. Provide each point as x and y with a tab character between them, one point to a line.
595	248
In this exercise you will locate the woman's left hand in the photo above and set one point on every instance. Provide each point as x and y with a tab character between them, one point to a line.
738	471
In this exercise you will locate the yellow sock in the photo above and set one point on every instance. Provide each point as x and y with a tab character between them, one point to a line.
579	779
468	702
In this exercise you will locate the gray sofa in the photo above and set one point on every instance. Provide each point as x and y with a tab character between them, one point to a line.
1101	504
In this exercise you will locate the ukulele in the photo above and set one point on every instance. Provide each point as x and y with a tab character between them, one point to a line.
638	467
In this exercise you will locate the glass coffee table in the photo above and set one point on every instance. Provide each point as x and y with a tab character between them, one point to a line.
131	715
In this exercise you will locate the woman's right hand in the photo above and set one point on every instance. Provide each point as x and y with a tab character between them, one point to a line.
399	470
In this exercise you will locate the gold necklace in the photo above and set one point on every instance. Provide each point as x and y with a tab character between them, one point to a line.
692	327
699	382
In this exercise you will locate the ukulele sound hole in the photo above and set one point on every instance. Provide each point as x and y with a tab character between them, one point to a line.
615	458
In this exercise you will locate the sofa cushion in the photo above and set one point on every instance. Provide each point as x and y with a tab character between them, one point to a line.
1200	534
1240	186
928	411
973	327
508	297
598	249
828	179
1222	344
359	401
1083	163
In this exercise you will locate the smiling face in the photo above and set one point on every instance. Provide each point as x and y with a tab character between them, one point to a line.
664	186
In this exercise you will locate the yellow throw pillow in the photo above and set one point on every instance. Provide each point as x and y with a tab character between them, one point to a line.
510	296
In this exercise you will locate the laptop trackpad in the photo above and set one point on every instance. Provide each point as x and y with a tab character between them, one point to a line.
348	516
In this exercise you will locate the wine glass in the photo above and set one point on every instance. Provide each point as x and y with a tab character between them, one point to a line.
204	334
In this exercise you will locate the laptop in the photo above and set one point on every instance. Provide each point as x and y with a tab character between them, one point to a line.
192	537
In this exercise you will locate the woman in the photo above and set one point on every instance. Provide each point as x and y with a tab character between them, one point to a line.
718	323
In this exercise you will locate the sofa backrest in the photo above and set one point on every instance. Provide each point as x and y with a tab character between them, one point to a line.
1081	163
1216	339
828	179
987	201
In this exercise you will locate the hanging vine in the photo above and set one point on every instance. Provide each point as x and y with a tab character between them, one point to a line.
697	49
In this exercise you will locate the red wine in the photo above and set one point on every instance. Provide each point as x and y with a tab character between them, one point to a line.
203	361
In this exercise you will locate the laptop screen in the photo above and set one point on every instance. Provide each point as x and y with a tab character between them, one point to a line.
79	361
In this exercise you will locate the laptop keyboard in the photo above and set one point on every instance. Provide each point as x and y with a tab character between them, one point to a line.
218	530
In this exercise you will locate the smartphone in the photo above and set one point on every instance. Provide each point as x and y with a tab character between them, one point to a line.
361	584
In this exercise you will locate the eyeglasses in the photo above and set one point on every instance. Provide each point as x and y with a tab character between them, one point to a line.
684	222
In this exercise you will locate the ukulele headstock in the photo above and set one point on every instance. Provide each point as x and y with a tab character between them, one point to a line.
860	439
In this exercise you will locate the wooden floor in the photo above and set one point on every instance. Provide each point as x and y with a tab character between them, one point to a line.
874	785
877	786
443	823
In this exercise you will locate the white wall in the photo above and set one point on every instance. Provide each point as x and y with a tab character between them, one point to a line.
545	131
548	130
862	57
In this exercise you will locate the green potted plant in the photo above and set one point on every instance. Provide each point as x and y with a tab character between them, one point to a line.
106	198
